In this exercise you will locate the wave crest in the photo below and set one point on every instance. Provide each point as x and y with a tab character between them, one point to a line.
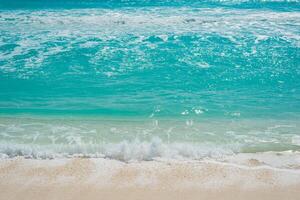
124	151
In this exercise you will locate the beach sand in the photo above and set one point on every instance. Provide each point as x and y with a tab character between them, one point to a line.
99	178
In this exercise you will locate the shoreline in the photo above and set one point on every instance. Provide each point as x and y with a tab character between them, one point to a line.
99	178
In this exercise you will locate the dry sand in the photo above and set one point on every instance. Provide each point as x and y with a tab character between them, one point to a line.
87	178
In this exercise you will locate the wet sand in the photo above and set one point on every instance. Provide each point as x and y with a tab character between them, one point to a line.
99	178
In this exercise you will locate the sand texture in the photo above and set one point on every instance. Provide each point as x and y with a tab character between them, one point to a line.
98	178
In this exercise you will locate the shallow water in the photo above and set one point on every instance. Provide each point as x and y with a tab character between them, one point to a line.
145	79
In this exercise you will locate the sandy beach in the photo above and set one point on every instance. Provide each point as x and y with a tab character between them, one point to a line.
99	178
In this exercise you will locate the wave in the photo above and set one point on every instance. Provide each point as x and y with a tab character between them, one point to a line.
143	140
124	151
46	138
155	150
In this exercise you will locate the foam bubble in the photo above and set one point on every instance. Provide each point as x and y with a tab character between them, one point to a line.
125	150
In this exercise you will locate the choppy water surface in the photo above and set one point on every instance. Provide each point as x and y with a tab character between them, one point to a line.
145	79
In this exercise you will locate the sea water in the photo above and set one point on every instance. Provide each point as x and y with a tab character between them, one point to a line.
141	79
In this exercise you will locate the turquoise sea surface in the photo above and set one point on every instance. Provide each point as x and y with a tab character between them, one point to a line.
140	79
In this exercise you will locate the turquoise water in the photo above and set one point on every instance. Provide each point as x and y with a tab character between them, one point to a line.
143	79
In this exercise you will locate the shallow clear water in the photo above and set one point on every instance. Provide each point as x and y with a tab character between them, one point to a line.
141	79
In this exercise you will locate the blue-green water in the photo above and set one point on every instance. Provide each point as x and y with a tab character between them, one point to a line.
143	79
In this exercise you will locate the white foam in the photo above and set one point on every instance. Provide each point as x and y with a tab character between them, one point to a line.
125	150
30	29
296	140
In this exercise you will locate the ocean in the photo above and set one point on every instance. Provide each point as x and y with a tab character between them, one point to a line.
146	79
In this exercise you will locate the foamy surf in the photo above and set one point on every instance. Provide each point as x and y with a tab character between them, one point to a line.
144	140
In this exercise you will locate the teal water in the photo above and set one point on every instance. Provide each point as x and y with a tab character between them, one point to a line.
143	79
